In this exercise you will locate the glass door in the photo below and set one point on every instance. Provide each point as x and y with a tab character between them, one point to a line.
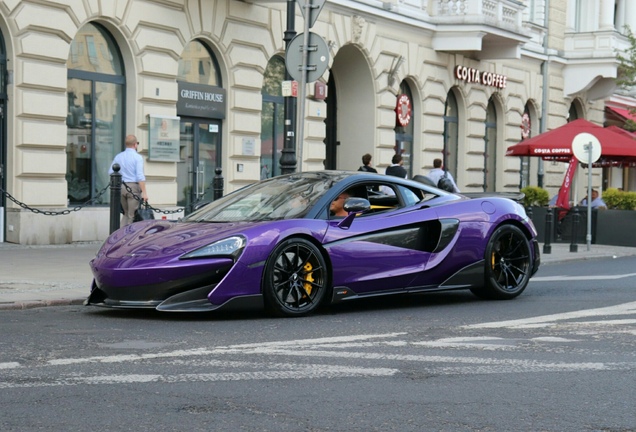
200	155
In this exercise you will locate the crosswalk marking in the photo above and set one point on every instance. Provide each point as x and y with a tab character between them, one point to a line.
358	355
565	278
621	309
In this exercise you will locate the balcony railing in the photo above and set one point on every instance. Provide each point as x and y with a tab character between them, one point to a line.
499	13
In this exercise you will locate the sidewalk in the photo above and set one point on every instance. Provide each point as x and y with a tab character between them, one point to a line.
35	276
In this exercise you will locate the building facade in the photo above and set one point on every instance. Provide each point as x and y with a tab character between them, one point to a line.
201	85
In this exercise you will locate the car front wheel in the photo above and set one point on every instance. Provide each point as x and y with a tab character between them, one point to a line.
508	264
295	278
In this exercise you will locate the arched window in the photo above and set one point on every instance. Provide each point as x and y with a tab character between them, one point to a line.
576	111
198	66
95	117
490	154
451	135
272	118
404	134
526	132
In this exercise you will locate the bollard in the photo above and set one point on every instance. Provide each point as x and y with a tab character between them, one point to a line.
218	184
575	228
547	247
529	212
115	198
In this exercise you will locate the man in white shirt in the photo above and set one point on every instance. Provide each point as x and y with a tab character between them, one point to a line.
132	176
438	172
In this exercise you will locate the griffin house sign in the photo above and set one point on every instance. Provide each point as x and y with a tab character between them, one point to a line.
197	100
471	75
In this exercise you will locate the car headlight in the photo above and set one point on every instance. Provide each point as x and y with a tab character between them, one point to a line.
229	247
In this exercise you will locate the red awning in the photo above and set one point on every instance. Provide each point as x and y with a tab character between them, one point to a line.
622	131
624	113
616	148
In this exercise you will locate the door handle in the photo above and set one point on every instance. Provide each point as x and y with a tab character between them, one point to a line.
201	185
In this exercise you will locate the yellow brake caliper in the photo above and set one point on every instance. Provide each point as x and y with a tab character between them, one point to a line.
308	277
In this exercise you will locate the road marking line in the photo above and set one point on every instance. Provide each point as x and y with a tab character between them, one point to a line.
575	278
219	350
10	365
307	372
622	309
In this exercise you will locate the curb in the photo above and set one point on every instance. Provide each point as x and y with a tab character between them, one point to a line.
38	304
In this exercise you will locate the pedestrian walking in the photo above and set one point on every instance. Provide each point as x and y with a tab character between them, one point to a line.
132	175
438	173
366	164
396	169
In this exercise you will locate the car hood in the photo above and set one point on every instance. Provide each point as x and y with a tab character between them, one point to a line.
167	239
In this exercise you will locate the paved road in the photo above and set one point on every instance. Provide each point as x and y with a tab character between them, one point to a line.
34	276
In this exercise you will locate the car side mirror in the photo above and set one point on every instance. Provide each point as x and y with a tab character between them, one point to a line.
357	205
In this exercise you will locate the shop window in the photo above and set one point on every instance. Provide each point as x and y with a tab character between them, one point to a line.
490	154
451	138
95	130
205	67
404	130
272	118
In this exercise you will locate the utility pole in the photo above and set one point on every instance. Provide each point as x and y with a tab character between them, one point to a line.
288	157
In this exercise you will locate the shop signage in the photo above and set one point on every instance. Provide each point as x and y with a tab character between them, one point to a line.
163	145
198	100
471	75
403	110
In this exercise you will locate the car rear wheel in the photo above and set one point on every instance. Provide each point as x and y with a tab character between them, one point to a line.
295	279
508	264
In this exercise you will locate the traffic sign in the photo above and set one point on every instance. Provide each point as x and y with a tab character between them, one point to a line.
314	6
586	147
317	57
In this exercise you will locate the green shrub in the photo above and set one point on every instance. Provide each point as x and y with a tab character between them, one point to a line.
619	200
535	196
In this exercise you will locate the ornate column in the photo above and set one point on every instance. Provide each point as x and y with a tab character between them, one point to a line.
606	18
630	15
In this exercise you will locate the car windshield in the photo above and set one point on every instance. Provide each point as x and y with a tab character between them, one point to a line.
284	197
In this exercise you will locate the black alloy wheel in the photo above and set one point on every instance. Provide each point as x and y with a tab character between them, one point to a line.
295	278
508	264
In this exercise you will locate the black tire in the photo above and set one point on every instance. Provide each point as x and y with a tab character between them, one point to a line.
295	280
508	264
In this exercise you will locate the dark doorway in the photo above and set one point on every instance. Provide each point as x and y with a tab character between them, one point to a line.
3	140
331	125
200	155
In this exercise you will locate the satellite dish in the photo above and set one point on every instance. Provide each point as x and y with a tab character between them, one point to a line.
584	145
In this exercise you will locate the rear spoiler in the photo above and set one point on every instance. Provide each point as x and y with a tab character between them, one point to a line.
515	196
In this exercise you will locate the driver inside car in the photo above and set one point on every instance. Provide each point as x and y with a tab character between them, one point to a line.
337	206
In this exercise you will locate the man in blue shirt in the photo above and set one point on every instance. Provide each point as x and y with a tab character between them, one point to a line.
597	201
132	175
438	172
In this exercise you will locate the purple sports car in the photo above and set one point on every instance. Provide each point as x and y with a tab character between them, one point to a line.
275	244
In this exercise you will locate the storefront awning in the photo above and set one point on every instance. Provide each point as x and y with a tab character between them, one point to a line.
618	149
622	113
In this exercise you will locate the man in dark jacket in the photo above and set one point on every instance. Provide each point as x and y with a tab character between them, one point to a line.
396	169
366	164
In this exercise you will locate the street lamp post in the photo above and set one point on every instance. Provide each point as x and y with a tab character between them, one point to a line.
288	156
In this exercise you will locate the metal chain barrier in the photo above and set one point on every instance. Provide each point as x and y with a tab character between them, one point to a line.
97	197
55	213
156	210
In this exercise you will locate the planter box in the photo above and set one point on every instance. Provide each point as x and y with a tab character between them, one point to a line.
565	227
616	227
561	230
537	216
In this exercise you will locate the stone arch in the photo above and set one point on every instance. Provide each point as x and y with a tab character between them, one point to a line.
576	110
355	86
494	150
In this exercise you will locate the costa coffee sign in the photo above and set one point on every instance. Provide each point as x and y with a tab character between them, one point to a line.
403	110
471	75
